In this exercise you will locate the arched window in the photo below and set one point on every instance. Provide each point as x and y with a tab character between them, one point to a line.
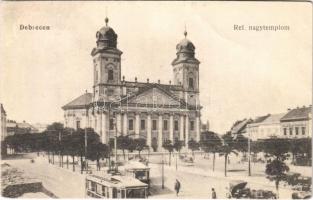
110	75
190	83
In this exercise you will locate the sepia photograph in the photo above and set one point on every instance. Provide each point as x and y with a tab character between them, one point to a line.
163	100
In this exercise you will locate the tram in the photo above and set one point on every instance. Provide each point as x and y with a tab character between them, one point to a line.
137	170
115	186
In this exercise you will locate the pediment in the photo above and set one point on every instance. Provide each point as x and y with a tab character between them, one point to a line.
154	96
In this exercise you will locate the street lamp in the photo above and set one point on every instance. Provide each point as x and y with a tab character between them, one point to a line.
249	154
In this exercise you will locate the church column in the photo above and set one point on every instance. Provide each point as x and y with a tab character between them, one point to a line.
149	130
99	121
118	123
137	125
171	128
94	117
197	127
125	124
181	132
187	130
160	139
103	124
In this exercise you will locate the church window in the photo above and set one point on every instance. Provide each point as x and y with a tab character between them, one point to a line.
192	125
190	83
131	124
297	130
110	75
303	130
285	131
176	125
290	131
165	125
96	75
111	125
142	124
77	124
154	124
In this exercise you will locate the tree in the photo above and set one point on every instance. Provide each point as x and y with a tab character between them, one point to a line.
167	144
140	144
211	144
277	152
178	145
123	143
154	144
227	148
193	145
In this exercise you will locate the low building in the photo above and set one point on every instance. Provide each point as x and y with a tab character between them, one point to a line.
39	127
3	127
14	128
265	127
11	127
252	129
297	123
239	127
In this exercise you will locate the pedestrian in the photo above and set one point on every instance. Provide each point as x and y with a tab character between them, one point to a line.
213	194
177	187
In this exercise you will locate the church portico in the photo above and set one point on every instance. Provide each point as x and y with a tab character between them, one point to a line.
153	111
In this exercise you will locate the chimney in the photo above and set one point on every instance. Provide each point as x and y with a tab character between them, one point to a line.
147	80
136	79
123	78
170	82
159	81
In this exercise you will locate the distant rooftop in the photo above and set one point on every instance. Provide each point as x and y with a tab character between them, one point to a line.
79	102
297	114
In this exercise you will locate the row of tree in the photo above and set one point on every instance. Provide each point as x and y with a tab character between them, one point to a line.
85	144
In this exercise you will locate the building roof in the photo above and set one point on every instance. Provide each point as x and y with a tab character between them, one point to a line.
297	114
260	119
240	126
273	118
79	102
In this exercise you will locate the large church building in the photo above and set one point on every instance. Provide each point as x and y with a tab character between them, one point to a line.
153	111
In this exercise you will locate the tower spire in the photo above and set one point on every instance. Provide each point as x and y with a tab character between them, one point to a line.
106	17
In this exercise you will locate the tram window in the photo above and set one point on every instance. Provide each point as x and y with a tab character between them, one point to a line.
89	185
93	186
136	193
114	193
103	191
141	175
99	189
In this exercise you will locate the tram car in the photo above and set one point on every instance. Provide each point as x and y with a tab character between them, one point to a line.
137	170
115	187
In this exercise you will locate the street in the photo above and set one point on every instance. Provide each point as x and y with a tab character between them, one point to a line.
196	180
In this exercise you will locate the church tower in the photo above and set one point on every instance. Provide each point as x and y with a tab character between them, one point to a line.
186	70
107	65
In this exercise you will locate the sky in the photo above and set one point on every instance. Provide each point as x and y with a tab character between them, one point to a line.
243	74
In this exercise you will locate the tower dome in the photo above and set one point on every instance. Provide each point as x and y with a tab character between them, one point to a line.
185	51
106	36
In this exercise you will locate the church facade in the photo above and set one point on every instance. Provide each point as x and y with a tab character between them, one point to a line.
153	111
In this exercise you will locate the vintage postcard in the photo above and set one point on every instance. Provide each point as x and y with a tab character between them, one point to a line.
164	100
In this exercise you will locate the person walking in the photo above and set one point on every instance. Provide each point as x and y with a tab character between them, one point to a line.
177	187
213	194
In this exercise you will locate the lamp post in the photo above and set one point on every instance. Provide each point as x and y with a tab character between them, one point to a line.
86	143
162	170
249	155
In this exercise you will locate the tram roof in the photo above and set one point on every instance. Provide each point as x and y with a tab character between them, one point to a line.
133	165
117	180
